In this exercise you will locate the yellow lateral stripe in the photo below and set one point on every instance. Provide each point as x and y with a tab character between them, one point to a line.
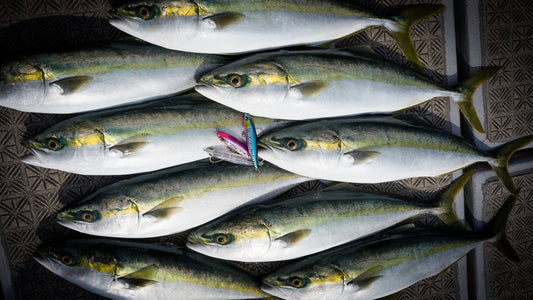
88	140
179	11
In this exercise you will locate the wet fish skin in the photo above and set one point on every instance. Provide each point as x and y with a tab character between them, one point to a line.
311	84
174	200
137	138
215	26
99	77
381	267
125	270
378	149
314	222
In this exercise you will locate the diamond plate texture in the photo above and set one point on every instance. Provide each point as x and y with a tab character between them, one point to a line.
507	41
30	196
507	279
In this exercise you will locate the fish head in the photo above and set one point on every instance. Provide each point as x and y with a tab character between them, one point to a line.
79	262
247	85
242	237
67	145
311	146
23	85
157	21
305	280
109	212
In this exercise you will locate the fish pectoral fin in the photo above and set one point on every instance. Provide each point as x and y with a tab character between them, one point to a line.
225	19
362	156
308	89
71	84
140	278
162	213
294	237
129	146
366	278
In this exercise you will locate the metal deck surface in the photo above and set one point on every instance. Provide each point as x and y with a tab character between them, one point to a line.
469	34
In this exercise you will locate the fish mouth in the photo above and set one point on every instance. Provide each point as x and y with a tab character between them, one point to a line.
126	24
36	158
208	91
45	261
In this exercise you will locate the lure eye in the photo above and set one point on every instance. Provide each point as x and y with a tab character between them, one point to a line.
145	12
67	260
236	81
87	217
296	282
221	239
54	144
292	144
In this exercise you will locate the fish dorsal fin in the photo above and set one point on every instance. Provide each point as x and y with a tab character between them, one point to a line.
362	155
366	278
140	278
294	237
72	84
308	89
129	146
225	19
362	50
413	120
165	209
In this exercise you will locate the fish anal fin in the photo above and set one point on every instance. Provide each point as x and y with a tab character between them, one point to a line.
362	156
141	278
309	89
225	19
294	237
72	84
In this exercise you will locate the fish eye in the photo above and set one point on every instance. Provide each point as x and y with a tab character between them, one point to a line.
145	12
292	144
221	239
237	81
67	260
54	144
296	282
87	217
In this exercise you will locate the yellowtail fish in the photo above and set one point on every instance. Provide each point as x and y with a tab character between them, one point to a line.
216	26
174	200
314	222
96	78
136	138
298	85
378	149
123	270
379	268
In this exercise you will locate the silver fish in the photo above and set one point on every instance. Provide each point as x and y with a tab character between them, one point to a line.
96	78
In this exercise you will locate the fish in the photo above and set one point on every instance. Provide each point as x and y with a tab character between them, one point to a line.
377	149
230	27
251	138
311	84
126	270
385	266
99	77
174	200
137	138
314	222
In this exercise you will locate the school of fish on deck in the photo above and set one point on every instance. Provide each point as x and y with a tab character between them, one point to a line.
282	118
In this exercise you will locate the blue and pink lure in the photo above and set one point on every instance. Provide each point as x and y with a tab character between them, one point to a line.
251	138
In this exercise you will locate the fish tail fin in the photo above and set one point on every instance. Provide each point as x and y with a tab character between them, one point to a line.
400	28
447	199
501	157
467	88
497	227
